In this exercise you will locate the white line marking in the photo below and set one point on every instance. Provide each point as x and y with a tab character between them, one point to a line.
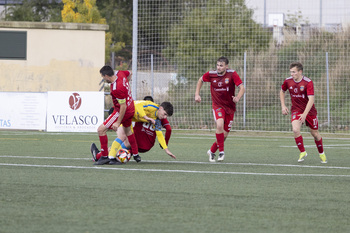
188	162
175	171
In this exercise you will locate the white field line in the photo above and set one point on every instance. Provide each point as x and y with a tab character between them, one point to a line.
190	162
172	171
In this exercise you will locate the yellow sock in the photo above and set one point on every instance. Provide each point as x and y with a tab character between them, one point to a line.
116	145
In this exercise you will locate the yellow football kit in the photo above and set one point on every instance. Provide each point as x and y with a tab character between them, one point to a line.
145	108
142	108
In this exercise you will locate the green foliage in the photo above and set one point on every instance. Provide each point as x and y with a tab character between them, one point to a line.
81	11
294	20
35	11
118	14
211	34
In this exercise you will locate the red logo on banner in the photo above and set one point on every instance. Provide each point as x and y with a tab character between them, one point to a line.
75	101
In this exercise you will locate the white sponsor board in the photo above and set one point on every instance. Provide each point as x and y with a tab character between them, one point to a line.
23	110
77	111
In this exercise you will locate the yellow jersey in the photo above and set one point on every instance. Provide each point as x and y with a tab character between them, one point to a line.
145	108
150	109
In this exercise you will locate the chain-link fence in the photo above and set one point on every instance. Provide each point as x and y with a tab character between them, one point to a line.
180	40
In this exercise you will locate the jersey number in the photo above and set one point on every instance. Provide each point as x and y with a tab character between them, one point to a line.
148	125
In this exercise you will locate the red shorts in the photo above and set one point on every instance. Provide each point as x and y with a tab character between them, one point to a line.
111	119
228	118
310	121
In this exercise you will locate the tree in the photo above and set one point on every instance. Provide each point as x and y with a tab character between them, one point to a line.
81	12
220	27
35	11
295	20
118	14
76	11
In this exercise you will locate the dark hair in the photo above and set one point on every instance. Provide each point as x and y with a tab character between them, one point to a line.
298	65
148	97
168	107
106	70
223	59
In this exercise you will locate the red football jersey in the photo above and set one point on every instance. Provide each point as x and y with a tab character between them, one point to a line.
299	93
146	136
222	88
120	89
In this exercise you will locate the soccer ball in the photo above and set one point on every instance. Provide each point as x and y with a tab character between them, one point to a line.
123	156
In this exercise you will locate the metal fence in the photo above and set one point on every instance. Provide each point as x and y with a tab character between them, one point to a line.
178	41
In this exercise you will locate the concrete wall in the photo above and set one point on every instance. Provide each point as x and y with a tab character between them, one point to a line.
60	57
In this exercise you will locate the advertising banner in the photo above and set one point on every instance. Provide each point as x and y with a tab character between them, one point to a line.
74	111
23	110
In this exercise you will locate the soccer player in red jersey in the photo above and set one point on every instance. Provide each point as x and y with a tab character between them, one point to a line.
301	90
222	87
123	113
146	136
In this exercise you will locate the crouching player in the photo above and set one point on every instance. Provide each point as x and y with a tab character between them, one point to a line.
148	120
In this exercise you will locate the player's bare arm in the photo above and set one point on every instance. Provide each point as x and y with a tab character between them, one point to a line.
169	153
235	99
149	119
285	110
197	97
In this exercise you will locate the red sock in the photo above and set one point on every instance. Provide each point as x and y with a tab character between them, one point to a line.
214	147
133	144
104	145
319	146
220	138
300	143
98	156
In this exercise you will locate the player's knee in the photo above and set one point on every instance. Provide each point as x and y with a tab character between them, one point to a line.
316	135
101	130
296	131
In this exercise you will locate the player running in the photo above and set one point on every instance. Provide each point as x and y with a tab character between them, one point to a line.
222	88
301	90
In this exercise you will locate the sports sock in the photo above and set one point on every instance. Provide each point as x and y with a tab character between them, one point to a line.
220	138
104	145
123	146
214	147
300	143
116	145
133	144
319	145
98	156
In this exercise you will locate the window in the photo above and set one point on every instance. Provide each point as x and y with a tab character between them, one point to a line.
13	45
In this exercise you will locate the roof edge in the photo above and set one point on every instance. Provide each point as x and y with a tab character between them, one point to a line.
54	25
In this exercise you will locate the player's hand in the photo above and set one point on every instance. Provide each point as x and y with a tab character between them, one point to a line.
302	118
115	126
197	98
170	154
285	110
235	99
150	120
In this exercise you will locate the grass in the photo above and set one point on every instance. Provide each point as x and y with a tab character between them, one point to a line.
49	184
